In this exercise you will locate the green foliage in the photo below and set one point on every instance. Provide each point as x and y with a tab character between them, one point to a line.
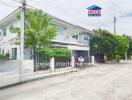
130	48
15	30
1	56
130	45
4	57
47	53
38	31
118	57
122	45
61	53
107	43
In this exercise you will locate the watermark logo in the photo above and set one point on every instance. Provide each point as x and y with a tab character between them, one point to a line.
94	11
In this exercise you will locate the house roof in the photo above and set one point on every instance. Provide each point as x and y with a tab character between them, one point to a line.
12	17
9	18
66	42
94	7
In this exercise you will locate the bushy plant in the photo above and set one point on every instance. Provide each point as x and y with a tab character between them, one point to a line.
61	53
1	56
4	57
7	55
47	53
38	31
104	42
117	58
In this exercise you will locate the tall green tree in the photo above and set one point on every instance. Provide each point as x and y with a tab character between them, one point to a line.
38	31
129	52
104	43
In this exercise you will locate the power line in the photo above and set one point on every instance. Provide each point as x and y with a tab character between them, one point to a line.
57	6
25	4
115	20
100	23
5	4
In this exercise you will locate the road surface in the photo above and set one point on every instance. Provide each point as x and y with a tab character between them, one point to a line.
9	67
102	82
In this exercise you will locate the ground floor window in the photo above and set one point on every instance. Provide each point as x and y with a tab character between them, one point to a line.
3	51
14	53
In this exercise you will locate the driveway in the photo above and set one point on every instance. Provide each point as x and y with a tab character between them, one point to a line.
102	82
9	67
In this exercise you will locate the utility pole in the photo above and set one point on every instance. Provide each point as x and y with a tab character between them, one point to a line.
23	2
126	58
114	25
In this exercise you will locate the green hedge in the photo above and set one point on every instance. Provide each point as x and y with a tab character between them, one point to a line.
61	53
4	57
47	53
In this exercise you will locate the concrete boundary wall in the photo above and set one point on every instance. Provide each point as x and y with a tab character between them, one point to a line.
10	79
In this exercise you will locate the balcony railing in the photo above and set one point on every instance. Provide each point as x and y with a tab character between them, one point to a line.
5	39
74	41
67	40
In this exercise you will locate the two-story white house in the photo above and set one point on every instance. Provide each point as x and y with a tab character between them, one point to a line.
74	37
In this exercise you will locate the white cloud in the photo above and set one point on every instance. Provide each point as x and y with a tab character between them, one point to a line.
75	12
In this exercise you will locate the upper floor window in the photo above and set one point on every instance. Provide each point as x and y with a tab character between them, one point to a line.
75	37
60	30
4	32
3	51
86	38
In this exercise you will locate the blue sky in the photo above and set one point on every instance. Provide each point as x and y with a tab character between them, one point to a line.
75	11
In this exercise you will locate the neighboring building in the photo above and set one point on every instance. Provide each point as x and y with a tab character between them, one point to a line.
71	36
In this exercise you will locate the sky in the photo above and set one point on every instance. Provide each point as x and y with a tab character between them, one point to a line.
75	12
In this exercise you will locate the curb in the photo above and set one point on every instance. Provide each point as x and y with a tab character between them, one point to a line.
64	72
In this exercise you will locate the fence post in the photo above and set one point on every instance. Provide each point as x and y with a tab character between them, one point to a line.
72	61
52	64
92	60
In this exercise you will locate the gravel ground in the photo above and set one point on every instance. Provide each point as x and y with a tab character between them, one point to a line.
101	82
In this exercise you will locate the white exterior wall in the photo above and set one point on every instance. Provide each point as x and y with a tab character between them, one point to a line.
5	43
68	32
82	38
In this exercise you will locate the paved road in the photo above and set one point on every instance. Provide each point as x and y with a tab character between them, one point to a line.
103	82
7	67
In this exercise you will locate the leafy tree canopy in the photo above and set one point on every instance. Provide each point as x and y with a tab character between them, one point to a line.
130	45
38	31
106	43
47	53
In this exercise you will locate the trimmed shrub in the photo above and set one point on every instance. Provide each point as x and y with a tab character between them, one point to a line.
4	57
47	53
